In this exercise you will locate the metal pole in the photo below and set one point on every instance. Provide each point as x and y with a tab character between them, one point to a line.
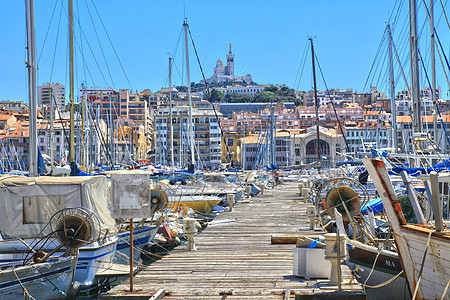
338	250
172	160
433	73
394	138
111	132
51	132
271	153
243	140
191	132
83	135
131	255
317	105
72	93
31	65
415	95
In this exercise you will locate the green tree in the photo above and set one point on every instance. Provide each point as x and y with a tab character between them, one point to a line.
214	96
181	88
237	98
264	96
271	88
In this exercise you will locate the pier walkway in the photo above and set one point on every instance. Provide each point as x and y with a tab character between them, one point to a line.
235	259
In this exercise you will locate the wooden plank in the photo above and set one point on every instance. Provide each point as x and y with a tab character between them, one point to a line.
290	238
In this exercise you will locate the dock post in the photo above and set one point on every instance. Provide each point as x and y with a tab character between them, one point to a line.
230	201
435	196
131	255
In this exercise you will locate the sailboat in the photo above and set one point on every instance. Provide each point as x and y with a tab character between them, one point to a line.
424	250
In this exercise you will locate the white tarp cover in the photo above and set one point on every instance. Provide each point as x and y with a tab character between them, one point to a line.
27	203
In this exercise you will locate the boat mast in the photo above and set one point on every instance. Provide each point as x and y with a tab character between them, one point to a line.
31	65
71	97
417	127
83	130
51	132
270	150
394	138
243	141
316	103
172	163
191	132
433	73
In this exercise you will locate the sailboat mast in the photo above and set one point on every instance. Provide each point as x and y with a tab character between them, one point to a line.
72	92
243	141
191	132
316	103
274	137
394	138
51	131
415	95
172	160
433	73
32	88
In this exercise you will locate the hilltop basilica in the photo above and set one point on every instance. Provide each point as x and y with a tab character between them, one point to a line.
223	73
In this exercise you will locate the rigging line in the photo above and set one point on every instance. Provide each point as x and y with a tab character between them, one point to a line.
437	36
178	71
383	63
400	66
99	44
443	67
212	104
175	49
81	42
46	34
392	12
437	107
102	142
304	64
397	16
66	137
112	45
445	14
332	104
78	45
375	59
56	45
89	46
300	65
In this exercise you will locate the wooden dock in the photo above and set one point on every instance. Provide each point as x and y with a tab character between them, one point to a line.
236	260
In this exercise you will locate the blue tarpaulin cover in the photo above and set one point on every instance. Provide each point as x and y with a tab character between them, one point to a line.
420	171
376	205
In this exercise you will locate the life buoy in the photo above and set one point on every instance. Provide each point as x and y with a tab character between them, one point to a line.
181	208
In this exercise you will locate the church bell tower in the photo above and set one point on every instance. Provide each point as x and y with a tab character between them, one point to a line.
230	63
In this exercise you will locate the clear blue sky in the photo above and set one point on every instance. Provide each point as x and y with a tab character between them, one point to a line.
268	38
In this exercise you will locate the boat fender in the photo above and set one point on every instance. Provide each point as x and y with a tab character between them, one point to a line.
74	291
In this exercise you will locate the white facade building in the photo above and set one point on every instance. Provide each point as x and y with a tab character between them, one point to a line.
250	90
58	94
207	137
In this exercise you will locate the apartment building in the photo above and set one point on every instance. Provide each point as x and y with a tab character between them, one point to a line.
361	136
57	92
207	137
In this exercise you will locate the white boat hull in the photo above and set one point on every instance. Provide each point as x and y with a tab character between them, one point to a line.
436	268
47	280
92	258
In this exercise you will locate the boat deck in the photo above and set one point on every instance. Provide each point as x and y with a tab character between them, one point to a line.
235	258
